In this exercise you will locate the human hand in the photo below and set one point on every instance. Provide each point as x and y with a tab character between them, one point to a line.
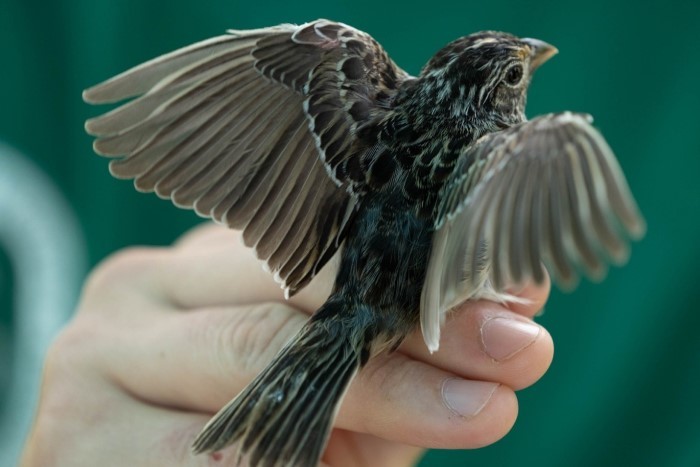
164	337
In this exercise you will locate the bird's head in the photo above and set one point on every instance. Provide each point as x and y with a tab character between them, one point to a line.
479	82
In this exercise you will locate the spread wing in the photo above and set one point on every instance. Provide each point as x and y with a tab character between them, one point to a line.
546	191
255	129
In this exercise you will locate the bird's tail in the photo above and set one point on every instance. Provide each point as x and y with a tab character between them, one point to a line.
283	417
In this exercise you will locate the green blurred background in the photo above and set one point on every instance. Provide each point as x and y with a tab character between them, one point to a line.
624	388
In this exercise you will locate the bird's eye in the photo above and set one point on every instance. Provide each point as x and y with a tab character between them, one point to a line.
514	75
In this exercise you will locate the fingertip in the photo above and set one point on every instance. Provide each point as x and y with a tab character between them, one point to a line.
410	402
494	421
213	267
527	366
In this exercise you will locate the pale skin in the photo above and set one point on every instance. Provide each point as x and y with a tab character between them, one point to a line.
163	337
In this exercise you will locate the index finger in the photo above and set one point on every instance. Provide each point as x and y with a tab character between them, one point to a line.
214	268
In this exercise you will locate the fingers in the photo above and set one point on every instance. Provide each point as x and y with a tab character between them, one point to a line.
198	361
349	448
155	373
485	341
397	398
493	342
460	396
84	419
394	397
107	425
148	436
225	271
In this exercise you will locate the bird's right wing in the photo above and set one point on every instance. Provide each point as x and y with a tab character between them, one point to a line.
546	191
257	130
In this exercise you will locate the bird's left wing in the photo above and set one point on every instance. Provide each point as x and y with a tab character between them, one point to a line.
546	191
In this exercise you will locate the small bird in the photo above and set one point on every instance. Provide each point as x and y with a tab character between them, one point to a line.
432	190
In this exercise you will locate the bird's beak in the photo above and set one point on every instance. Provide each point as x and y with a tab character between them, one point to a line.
540	52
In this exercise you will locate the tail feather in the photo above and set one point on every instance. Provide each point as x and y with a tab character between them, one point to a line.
314	430
283	417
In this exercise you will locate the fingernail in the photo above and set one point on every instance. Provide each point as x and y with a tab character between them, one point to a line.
467	398
504	337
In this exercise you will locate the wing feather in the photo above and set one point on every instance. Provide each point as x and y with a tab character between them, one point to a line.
245	129
143	78
546	191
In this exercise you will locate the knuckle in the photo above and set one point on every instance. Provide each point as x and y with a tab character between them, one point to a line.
67	351
384	373
248	339
125	266
61	348
377	384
